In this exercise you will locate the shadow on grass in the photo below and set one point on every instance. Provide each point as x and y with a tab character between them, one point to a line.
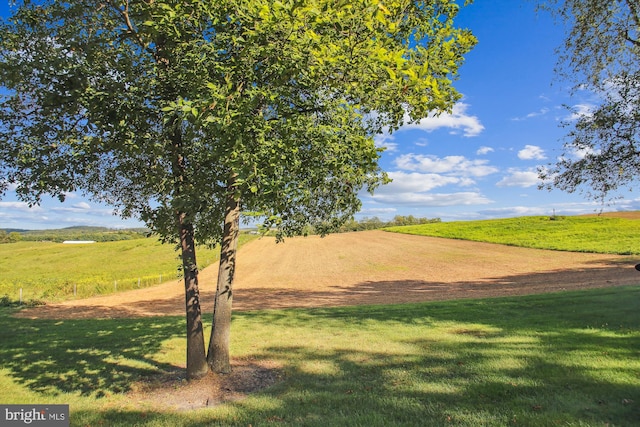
90	357
560	359
618	272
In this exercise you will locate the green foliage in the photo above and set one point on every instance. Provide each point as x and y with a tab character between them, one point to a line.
153	106
557	359
52	271
10	237
578	234
601	54
174	111
376	223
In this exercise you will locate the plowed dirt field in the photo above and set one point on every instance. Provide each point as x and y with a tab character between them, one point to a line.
373	267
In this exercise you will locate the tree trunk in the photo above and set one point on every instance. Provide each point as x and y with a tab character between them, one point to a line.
218	356
196	360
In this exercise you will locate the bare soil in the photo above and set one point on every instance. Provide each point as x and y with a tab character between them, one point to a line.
372	267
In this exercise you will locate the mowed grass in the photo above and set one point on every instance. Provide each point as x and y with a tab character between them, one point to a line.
47	271
566	359
598	234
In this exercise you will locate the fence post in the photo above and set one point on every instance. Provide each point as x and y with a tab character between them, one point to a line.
115	285
75	290
138	282
20	296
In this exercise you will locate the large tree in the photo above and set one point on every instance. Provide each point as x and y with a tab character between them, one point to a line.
185	113
601	56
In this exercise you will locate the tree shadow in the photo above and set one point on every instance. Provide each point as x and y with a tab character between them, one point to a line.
551	359
375	389
565	359
89	357
614	273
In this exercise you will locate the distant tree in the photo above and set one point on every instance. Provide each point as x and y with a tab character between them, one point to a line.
184	113
11	237
601	54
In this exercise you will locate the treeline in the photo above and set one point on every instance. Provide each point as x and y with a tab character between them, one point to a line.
376	223
96	234
10	237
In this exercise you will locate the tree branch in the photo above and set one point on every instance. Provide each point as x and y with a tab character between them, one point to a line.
635	15
131	30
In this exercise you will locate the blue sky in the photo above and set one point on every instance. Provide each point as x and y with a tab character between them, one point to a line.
478	162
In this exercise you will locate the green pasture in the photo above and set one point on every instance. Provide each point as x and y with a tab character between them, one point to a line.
573	233
565	359
48	271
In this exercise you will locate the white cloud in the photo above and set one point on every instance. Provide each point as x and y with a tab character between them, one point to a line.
538	113
458	120
420	182
531	152
385	141
579	111
422	142
82	205
70	196
581	153
515	211
484	150
627	205
519	178
455	165
431	200
19	206
377	211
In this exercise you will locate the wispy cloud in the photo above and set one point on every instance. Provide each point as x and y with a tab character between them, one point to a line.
579	111
458	121
540	112
19	206
433	199
420	182
385	141
519	178
457	165
484	150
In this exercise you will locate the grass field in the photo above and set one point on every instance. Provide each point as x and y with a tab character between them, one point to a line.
599	234
569	359
50	271
561	359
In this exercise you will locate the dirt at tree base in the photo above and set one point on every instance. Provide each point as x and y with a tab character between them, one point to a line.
172	392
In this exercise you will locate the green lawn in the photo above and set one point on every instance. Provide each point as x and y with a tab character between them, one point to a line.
567	359
52	271
574	233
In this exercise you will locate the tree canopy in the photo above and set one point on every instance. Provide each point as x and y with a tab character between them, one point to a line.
184	113
601	56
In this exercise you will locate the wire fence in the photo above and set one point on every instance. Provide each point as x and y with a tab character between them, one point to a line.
38	291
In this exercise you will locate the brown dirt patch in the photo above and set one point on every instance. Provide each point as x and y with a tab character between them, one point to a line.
373	267
171	391
344	269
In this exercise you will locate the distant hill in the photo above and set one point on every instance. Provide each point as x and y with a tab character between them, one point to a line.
80	232
13	230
